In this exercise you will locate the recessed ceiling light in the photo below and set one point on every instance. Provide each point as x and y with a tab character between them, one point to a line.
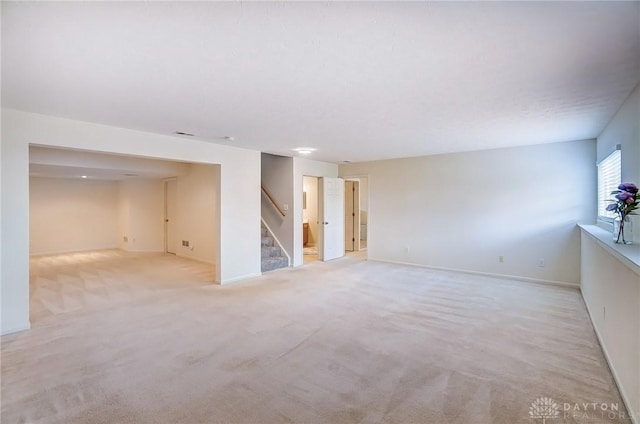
229	138
304	150
83	176
184	133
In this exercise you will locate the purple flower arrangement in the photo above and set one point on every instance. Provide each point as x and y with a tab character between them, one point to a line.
626	201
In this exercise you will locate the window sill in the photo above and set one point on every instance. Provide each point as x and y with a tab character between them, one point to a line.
628	254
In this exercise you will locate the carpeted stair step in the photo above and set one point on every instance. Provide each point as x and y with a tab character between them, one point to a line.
272	255
269	264
271	251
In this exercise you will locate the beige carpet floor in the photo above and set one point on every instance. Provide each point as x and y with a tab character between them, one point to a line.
105	278
349	341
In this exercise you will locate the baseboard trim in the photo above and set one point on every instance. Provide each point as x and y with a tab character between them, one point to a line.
18	329
241	278
486	274
616	379
68	252
204	261
143	251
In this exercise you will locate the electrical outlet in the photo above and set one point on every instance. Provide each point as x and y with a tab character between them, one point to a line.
500	259
407	249
125	239
541	263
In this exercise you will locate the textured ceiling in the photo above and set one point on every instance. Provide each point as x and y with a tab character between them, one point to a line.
358	81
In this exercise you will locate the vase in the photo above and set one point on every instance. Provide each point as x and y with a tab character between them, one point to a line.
622	231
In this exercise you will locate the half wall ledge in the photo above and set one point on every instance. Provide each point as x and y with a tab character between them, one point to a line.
628	254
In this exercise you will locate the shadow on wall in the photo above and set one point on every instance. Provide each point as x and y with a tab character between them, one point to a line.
270	214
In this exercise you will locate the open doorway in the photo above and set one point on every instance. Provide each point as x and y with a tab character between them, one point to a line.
323	218
356	213
310	220
101	225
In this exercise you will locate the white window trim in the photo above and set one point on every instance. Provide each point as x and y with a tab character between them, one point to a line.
612	165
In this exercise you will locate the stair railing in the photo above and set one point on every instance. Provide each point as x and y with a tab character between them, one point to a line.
273	202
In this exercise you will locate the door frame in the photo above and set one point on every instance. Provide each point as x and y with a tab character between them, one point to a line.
301	246
165	183
354	176
352	241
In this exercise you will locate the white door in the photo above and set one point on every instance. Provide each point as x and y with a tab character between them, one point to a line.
170	193
330	218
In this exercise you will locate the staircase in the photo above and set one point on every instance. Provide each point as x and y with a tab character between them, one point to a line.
272	257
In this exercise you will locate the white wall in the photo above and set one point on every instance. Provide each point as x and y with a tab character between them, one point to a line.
462	211
624	129
606	282
74	215
141	215
277	178
239	252
197	213
71	215
310	214
311	168
611	291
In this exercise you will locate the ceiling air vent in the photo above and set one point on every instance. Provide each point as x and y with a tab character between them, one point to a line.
184	133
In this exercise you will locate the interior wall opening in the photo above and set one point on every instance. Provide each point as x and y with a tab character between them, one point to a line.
92	215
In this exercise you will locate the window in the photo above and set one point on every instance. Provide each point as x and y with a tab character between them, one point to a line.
608	180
